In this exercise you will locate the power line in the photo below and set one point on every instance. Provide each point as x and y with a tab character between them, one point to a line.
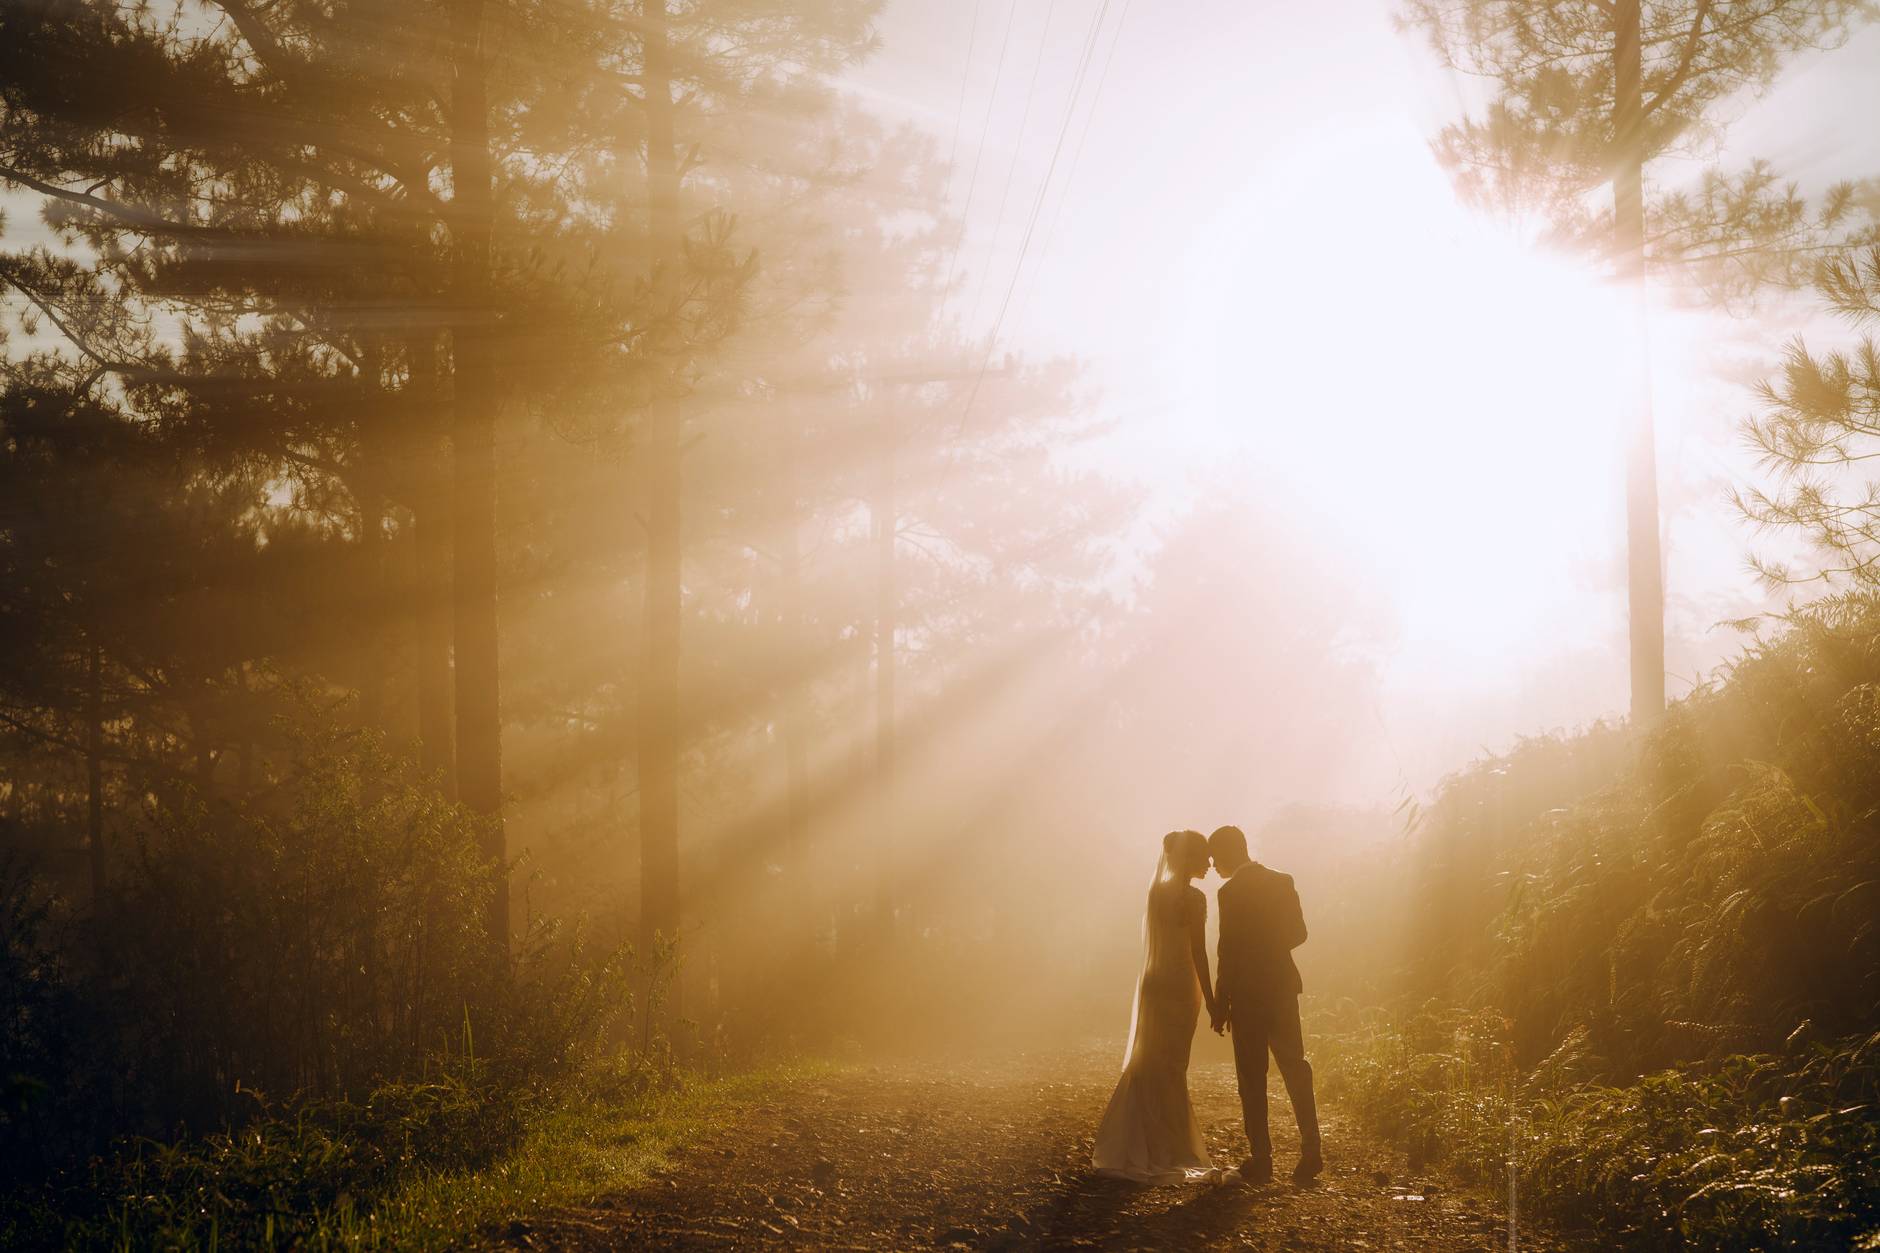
972	183
1077	155
1077	91
966	74
1044	188
1096	102
1018	146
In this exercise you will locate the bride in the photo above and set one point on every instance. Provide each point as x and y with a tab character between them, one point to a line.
1148	1133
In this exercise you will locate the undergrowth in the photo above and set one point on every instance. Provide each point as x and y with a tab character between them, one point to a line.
1749	1151
1640	989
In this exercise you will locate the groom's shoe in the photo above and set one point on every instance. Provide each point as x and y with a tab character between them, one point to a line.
1308	1168
1257	1171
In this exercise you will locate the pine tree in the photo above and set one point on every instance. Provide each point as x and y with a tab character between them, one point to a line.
692	64
1819	424
1589	93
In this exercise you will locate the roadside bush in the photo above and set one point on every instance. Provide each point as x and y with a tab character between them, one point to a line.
313	941
1647	971
1762	1151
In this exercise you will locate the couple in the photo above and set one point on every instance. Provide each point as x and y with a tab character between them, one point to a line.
1148	1133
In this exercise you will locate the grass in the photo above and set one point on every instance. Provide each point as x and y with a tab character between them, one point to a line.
589	1144
417	1166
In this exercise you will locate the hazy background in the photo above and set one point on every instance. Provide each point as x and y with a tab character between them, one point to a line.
1271	280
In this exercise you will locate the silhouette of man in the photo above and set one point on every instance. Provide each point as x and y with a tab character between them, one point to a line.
1257	998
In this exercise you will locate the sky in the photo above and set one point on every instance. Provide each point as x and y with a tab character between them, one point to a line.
1244	236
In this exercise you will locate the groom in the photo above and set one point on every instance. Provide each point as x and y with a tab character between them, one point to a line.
1257	998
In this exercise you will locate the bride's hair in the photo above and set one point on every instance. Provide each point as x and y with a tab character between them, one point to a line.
1184	849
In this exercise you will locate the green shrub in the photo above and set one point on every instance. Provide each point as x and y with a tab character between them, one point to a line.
317	1172
1696	894
314	941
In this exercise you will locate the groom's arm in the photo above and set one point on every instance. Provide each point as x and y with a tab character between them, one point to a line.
1295	917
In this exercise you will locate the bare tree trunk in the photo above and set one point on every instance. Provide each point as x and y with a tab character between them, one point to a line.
372	634
1645	592
802	899
659	703
796	680
245	779
430	541
886	602
795	713
201	745
431	525
479	720
94	774
371	504
852	910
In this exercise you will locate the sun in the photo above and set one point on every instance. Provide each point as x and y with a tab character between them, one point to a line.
1446	389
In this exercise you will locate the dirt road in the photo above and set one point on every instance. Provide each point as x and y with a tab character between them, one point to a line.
996	1156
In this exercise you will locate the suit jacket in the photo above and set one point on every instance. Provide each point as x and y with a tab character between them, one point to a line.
1261	924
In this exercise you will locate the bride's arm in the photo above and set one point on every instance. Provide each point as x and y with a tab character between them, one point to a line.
1198	950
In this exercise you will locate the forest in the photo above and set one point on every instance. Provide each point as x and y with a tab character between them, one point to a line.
605	605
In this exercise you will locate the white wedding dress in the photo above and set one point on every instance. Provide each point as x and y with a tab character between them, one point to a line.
1148	1133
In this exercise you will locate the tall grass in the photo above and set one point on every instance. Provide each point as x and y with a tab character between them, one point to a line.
1749	1151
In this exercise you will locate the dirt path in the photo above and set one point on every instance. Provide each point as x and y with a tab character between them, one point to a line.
996	1157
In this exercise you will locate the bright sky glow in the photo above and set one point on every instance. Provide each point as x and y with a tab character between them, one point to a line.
1265	270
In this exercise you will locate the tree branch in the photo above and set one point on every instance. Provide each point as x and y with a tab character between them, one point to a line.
1682	73
153	222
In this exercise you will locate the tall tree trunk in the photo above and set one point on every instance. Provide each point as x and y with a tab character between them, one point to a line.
245	777
886	601
204	749
795	711
796	677
431	577
854	909
659	704
802	898
479	720
372	642
94	774
1645	592
371	503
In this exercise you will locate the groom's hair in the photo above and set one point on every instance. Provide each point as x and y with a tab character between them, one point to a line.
1228	842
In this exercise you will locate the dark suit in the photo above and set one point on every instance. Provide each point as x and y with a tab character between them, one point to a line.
1261	924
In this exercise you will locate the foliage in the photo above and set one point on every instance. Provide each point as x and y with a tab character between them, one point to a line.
1656	964
304	941
1818	425
313	943
575	1045
1550	133
1774	1150
1701	896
